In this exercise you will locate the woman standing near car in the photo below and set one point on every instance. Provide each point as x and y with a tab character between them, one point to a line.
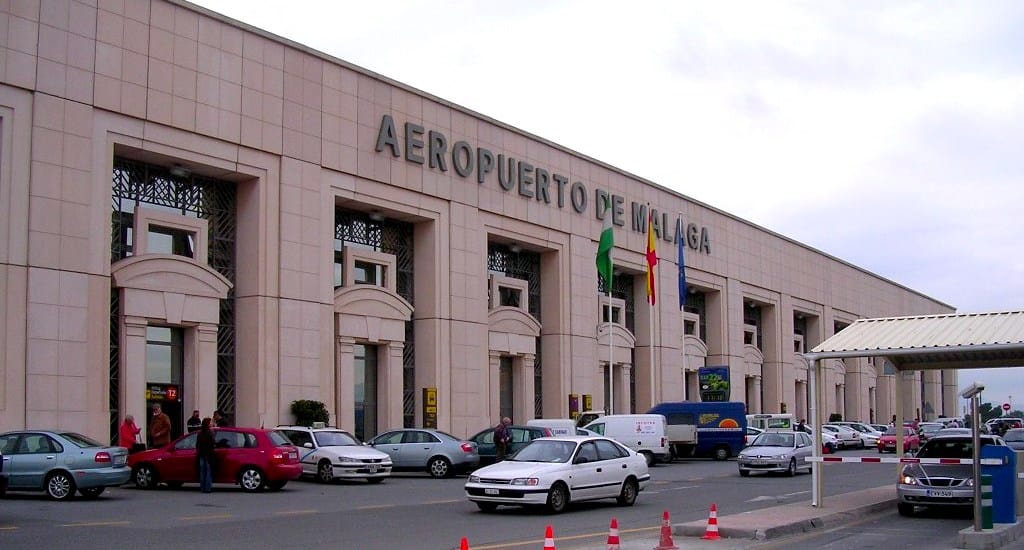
205	455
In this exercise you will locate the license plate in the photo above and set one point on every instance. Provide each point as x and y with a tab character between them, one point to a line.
373	468
939	493
120	460
491	491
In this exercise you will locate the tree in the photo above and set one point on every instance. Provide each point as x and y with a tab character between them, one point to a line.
307	412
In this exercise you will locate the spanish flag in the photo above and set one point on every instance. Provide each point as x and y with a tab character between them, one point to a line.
652	257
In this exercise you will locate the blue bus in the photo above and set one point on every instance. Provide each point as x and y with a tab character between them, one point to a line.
720	427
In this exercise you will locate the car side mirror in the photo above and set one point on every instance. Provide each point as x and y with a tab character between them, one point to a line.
581	460
307	445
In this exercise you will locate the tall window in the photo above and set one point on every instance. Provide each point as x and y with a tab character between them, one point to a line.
506	394
366	390
525	265
163	240
165	349
695	303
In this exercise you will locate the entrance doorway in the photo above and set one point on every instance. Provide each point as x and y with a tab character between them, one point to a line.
506	394
365	366
165	352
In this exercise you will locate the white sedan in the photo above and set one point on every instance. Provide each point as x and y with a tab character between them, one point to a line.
554	471
330	453
848	437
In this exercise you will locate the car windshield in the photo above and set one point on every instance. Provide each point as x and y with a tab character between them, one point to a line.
278	438
80	440
334	439
774	440
1015	434
949	448
545	451
930	428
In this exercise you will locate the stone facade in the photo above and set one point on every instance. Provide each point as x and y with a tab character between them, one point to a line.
490	296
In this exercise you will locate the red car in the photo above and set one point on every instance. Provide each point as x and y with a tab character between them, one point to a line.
911	441
252	458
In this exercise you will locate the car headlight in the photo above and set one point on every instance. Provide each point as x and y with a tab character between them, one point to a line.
531	481
346	459
970	482
474	479
908	480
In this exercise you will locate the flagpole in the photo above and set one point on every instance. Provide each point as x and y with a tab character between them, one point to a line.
611	355
682	299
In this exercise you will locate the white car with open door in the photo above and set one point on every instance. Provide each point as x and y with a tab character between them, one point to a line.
555	471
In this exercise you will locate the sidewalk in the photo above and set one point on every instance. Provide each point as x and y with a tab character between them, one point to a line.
753	528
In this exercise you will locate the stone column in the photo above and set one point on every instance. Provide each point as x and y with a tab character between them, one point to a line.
524	391
389	388
755	394
622	394
344	390
205	372
493	380
132	385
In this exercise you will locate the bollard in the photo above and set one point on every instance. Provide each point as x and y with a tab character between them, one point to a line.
986	501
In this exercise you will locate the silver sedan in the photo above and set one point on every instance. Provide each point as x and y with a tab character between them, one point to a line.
776	451
60	463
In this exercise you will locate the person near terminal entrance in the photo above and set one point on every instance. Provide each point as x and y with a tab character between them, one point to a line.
800	427
218	419
128	434
502	437
159	427
194	422
205	455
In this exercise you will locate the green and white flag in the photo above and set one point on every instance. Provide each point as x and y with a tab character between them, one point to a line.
604	247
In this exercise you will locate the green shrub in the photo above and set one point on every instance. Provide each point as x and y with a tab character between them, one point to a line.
835	417
307	412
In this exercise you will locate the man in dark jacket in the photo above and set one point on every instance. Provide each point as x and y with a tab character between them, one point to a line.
502	437
205	455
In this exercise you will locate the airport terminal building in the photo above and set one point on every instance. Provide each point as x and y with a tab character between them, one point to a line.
198	213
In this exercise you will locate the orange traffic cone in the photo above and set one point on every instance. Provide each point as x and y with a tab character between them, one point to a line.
549	539
666	534
712	531
465	544
613	535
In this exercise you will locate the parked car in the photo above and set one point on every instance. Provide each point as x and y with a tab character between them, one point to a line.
521	435
331	453
252	458
880	428
555	471
868	435
3	475
60	463
421	449
1014	437
953	431
925	430
911	442
776	451
847	437
940	484
751	433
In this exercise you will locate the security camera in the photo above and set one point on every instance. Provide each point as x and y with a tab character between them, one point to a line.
972	390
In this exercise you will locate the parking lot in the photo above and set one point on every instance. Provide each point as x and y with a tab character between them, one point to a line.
416	511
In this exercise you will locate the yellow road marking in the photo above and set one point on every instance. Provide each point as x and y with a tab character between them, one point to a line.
218	516
295	512
95	524
574	537
445	501
377	507
8	527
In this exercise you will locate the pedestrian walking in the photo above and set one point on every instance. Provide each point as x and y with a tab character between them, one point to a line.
128	435
205	455
502	437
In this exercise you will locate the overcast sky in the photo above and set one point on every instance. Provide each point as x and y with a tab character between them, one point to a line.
887	134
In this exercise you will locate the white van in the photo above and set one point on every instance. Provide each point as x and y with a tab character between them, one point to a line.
644	433
558	426
774	421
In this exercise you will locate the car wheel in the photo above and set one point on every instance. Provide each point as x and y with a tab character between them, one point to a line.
324	472
721	453
92	492
145	477
276	485
628	494
744	473
374	480
649	457
251	479
905	509
487	506
60	486
791	471
439	467
558	498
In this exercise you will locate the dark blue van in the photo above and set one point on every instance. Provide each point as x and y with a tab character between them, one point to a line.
720	427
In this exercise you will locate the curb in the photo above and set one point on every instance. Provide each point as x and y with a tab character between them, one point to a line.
825	520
